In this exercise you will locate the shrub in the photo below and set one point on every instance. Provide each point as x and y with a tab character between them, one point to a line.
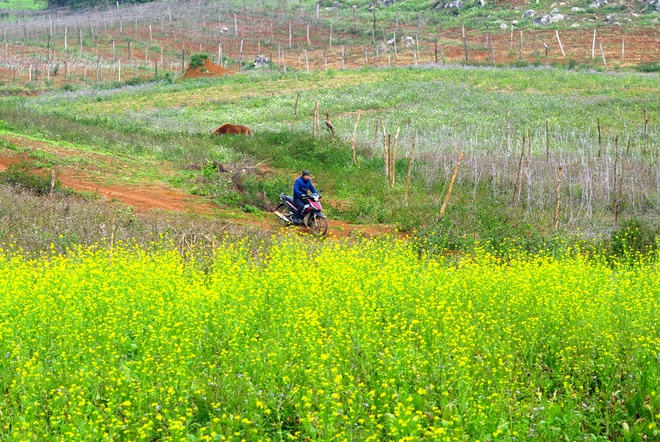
197	59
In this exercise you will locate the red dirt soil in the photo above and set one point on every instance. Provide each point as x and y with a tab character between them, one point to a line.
207	70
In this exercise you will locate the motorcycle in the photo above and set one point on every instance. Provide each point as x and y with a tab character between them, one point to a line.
312	214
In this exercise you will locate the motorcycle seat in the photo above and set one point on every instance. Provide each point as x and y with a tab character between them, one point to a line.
287	198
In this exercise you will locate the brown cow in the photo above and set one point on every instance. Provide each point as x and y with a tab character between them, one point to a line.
233	129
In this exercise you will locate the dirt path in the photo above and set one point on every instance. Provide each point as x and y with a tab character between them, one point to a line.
100	174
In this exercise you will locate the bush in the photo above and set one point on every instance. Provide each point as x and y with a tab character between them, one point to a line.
647	67
197	59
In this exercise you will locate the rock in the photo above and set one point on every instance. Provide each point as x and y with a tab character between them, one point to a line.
615	23
608	19
456	4
575	25
260	61
224	30
576	9
654	4
408	41
337	5
530	13
514	23
482	3
390	42
544	20
554	11
503	26
598	3
556	18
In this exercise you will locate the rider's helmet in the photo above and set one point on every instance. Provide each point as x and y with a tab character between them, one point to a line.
305	173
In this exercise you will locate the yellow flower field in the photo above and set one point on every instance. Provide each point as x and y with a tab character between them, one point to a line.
330	341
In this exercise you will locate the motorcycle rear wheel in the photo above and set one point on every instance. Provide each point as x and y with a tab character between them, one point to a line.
284	210
319	225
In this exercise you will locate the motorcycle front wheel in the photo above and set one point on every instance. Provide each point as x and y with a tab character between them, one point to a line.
284	210
319	225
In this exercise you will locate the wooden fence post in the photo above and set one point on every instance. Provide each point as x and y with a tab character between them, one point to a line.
518	185
355	137
451	185
410	164
557	199
465	48
560	45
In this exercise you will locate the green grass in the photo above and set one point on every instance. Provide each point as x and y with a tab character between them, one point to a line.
18	5
446	109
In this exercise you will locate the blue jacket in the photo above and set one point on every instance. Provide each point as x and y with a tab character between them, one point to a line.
301	187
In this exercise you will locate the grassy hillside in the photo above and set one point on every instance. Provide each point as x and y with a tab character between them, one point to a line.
594	122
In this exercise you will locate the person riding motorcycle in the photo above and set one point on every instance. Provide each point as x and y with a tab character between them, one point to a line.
301	187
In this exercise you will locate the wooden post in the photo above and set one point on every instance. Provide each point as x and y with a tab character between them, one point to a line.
546	54
557	199
309	43
306	62
290	34
593	47
600	144
240	57
366	60
235	25
465	48
646	131
508	132
616	179
393	158
388	147
560	45
451	185
547	141
520	51
52	183
603	54
343	64
329	125
355	137
623	49
436	50
518	185
183	60
410	164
